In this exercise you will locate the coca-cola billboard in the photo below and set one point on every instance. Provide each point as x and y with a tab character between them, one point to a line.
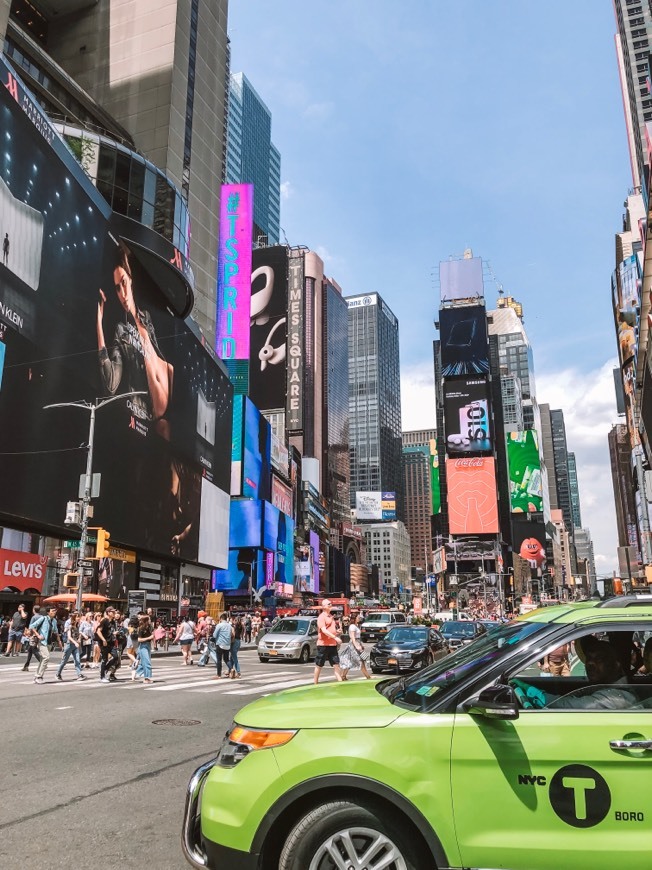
22	571
472	501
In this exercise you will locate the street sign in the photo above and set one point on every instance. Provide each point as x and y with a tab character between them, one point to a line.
85	563
71	545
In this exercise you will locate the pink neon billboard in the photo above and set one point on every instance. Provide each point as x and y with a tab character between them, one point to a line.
234	272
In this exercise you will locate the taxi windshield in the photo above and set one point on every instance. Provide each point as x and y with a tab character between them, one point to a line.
416	691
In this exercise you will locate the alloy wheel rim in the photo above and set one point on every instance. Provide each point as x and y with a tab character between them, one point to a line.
358	849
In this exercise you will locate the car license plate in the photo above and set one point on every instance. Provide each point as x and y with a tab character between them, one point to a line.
392	662
273	652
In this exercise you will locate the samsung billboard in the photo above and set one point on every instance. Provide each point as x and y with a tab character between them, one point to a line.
466	415
85	314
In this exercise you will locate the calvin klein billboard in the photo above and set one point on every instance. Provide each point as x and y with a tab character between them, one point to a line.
85	315
269	331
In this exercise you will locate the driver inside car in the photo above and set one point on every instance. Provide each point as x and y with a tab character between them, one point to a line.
607	690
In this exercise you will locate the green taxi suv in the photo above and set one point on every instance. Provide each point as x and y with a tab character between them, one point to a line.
482	760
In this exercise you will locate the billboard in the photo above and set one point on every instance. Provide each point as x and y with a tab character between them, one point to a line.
246	524
234	282
626	297
524	462
435	484
282	496
472	503
279	538
314	553
461	279
280	456
466	415
85	315
529	541
464	341
243	565
296	343
257	448
269	311
375	505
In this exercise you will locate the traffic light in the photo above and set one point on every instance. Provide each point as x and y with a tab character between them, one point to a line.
71	580
102	545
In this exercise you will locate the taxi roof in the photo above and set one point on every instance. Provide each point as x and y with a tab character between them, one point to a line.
589	611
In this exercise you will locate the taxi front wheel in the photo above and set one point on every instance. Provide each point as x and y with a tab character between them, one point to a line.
340	835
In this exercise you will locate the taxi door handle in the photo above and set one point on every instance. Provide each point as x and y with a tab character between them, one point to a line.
630	744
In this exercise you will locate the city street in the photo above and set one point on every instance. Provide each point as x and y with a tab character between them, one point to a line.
89	777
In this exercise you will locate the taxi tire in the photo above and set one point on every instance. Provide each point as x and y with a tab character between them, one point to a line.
311	831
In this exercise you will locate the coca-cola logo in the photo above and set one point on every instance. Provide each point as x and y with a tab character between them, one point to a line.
475	462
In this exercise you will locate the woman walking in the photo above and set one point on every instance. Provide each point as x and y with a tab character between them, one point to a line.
185	636
236	643
86	639
145	637
354	656
71	648
97	653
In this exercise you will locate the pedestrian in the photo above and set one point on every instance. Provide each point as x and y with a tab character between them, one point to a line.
557	662
159	634
131	649
72	647
145	634
5	250
247	628
185	636
255	626
33	648
97	647
105	637
354	656
327	642
86	636
15	636
222	637
46	630
236	642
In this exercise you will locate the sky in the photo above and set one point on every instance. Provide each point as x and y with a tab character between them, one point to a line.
410	131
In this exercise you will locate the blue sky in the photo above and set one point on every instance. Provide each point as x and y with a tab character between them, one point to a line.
409	131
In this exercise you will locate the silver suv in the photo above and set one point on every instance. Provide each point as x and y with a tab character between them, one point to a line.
378	622
293	637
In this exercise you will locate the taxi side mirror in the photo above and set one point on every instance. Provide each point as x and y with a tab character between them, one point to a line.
495	702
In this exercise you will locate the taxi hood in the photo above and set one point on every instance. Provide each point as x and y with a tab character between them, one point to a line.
331	705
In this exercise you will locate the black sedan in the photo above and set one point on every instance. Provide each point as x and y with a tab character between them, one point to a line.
458	633
408	648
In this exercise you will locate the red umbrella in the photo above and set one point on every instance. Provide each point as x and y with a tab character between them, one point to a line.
69	597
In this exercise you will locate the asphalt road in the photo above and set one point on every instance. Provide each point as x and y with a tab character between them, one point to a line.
88	780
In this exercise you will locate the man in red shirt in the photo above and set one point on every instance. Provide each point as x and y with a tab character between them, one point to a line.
328	642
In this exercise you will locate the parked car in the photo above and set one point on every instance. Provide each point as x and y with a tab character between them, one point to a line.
460	632
293	638
408	648
454	766
378	622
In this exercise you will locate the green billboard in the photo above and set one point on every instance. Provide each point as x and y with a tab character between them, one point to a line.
434	477
525	490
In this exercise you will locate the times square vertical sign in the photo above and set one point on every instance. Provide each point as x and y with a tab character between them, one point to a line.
234	282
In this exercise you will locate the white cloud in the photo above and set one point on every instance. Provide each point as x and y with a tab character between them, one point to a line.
418	397
286	190
589	405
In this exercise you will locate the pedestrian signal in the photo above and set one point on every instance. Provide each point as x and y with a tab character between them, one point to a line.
103	544
71	581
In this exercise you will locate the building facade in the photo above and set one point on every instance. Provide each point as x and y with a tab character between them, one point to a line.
418	506
336	391
374	399
388	547
252	158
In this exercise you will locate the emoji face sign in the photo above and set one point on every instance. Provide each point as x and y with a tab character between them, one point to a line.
532	550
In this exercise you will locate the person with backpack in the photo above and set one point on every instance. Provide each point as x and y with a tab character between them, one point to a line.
33	648
46	630
105	637
222	637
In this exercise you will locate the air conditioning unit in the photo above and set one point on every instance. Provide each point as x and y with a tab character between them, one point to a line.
71	580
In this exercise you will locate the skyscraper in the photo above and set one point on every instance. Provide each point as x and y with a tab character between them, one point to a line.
562	478
252	158
336	392
634	19
128	88
515	356
374	399
576	513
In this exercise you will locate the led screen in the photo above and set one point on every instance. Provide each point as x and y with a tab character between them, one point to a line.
461	279
472	503
463	339
256	466
269	309
435	485
525	487
243	565
279	538
85	315
246	524
466	410
529	541
314	552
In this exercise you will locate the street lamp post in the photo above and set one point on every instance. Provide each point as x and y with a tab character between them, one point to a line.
92	407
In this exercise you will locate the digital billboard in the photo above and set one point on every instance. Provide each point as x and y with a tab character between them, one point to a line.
524	462
472	502
463	339
435	484
466	415
243	564
282	496
269	329
529	541
279	537
314	553
375	505
626	297
85	316
246	524
232	336
256	462
296	342
461	279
